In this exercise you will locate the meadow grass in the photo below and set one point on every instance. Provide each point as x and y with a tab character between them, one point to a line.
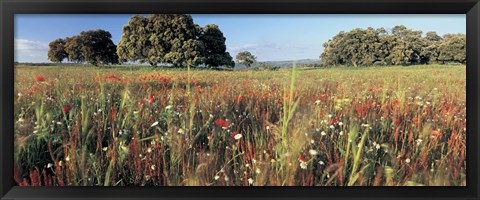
145	126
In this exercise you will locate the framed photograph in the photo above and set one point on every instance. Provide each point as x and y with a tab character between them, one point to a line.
251	99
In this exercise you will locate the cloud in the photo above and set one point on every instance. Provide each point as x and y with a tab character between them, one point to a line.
30	51
253	47
269	51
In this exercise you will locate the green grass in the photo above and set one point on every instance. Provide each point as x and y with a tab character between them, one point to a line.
137	125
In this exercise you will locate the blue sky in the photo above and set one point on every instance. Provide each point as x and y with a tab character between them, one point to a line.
269	37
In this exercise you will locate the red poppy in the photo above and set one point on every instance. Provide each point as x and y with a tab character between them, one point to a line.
239	98
40	78
396	102
113	77
221	122
333	121
302	158
397	121
150	99
144	87
67	108
214	87
35	88
415	119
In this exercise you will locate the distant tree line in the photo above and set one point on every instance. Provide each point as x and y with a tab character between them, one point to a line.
401	46
94	47
173	39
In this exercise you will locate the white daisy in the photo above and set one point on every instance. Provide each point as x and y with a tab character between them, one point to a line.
154	124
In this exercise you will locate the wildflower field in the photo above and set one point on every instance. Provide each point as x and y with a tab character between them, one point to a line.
123	126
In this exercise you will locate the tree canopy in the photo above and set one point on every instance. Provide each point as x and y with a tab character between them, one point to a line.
56	51
172	39
94	47
215	48
400	46
246	58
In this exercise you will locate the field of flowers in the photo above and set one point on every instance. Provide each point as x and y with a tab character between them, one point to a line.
122	126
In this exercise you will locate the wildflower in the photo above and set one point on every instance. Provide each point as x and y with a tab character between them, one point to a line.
317	102
239	98
258	171
435	133
340	123
149	150
323	133
152	167
247	165
250	181
236	135
332	127
397	121
341	133
222	123
333	121
216	177
151	99
301	158
226	178
321	162
313	152
303	165
419	141
312	141
20	94
377	146
21	120
67	108
60	163
330	116
67	158
154	124
49	165
168	107
180	131
125	148
407	160
39	78
415	119
104	148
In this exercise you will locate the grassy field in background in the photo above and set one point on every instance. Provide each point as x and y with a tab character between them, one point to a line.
125	126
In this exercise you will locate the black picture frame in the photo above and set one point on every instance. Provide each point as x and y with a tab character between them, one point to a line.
8	8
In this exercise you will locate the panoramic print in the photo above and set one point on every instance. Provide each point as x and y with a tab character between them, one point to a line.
240	100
